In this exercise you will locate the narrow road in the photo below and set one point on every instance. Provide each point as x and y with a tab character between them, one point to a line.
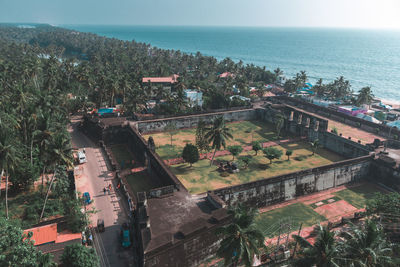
93	177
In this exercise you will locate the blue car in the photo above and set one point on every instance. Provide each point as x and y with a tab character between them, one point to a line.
86	198
125	236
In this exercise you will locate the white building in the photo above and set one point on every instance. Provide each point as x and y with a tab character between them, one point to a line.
194	97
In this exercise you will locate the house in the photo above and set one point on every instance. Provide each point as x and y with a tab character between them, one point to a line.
167	83
194	97
226	75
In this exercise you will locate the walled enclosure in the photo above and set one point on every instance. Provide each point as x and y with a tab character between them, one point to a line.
197	242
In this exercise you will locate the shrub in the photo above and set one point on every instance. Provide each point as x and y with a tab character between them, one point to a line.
235	150
256	146
76	255
334	130
272	153
190	154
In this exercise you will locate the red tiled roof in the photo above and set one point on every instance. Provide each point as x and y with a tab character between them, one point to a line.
226	74
170	79
43	234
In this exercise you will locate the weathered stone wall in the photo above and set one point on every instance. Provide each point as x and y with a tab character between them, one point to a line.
342	146
285	187
380	129
191	121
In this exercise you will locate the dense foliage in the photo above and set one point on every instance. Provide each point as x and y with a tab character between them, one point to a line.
77	255
17	249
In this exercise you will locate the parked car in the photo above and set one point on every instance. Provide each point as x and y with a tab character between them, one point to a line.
100	225
86	198
81	157
125	236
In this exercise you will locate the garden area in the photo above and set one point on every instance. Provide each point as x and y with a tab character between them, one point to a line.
316	208
243	132
202	177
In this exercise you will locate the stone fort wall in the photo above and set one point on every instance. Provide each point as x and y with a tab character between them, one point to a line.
285	187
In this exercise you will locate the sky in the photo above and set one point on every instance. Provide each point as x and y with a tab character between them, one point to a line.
257	13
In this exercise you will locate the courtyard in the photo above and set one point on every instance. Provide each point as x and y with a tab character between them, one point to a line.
243	132
202	176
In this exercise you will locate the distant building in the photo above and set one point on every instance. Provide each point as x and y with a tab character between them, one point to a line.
281	79
167	83
226	75
194	97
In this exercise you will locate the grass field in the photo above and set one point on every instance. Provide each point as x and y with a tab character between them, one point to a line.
268	222
358	196
202	177
123	156
244	132
141	181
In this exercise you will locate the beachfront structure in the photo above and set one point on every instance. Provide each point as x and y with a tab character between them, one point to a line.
351	110
167	83
194	97
226	75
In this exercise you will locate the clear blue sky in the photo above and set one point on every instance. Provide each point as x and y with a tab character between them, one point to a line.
282	13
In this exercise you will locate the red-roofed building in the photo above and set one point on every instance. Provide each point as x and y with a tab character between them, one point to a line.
226	75
169	80
43	234
166	83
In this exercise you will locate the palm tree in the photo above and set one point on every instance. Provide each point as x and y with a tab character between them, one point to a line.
365	96
241	239
366	246
61	154
314	146
322	253
217	134
8	160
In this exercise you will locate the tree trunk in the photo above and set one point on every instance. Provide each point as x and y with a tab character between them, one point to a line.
44	169
1	178
171	139
47	195
31	150
212	160
7	194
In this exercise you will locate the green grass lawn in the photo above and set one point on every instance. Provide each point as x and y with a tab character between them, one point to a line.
358	196
123	156
295	214
244	132
202	177
141	181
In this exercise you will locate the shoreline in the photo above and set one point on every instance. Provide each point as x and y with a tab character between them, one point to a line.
393	103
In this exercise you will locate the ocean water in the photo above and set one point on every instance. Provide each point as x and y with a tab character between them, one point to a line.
364	57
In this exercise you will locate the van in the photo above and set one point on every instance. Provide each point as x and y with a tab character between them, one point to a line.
81	157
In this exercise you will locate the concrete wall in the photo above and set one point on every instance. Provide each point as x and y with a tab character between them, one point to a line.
191	121
380	129
285	187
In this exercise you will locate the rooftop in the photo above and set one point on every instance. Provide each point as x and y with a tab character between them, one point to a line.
43	234
175	217
171	79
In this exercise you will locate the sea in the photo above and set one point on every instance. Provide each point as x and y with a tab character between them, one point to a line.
364	57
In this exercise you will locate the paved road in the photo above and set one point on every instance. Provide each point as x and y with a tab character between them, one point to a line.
93	176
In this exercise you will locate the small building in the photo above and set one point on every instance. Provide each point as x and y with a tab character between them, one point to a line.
194	97
226	75
167	83
351	110
281	79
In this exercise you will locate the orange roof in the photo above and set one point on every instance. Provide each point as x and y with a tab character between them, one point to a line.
226	74
170	79
43	234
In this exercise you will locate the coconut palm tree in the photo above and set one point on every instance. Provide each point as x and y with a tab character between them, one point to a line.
323	253
217	135
366	246
241	240
314	146
8	160
365	96
61	154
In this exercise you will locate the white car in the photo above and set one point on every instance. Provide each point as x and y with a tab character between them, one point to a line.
81	157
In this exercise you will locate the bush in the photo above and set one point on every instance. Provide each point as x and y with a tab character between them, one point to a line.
334	130
190	154
235	150
76	255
